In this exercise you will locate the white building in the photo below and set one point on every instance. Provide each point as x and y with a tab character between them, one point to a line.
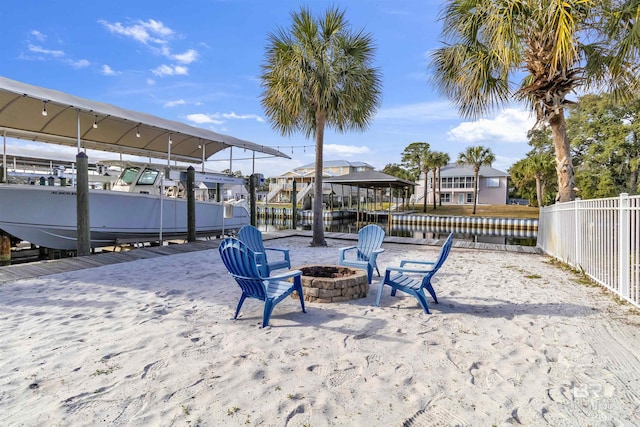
457	183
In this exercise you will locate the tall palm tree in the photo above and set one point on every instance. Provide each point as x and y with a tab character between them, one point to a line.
559	45
431	162
534	167
316	75
443	160
416	157
476	157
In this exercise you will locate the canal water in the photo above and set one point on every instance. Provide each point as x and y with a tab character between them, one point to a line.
504	237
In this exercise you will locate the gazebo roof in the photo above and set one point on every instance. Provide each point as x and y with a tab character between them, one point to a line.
370	179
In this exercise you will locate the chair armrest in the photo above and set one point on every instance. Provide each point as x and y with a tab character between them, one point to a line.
289	274
378	251
407	270
406	261
285	252
277	249
343	251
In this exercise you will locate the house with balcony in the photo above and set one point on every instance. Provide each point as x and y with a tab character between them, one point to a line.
304	177
457	183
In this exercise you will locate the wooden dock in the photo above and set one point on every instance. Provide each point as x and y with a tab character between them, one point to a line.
43	268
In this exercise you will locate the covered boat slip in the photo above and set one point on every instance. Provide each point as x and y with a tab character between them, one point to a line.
39	114
378	182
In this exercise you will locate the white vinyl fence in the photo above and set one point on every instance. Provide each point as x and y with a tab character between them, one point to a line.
600	237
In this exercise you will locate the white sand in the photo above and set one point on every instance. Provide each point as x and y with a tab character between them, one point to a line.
515	340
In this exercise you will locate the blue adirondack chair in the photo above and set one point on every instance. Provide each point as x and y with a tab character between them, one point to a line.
252	237
366	252
241	263
400	278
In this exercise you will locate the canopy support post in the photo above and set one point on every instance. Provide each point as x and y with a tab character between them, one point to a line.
83	225
4	156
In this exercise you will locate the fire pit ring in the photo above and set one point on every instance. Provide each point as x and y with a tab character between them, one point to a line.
332	283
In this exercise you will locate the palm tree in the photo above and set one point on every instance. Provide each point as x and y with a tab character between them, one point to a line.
443	160
316	75
560	45
476	157
431	163
534	167
416	157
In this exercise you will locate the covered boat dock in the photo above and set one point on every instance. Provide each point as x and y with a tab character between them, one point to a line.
379	183
45	115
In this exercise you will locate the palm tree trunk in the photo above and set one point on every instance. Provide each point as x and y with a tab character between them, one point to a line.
564	165
433	186
539	190
424	193
439	189
475	189
318	222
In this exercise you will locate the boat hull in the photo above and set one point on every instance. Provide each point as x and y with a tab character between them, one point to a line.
46	216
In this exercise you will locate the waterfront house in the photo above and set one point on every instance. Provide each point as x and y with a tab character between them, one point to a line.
457	182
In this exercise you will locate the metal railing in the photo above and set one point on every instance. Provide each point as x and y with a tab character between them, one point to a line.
600	237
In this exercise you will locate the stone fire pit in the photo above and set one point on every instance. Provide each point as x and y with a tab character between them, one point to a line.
332	283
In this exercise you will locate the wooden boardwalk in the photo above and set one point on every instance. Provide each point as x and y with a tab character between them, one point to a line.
43	268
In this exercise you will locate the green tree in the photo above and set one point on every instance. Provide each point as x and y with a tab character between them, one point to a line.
398	171
433	162
442	159
237	174
534	175
317	75
394	169
476	157
605	136
533	169
416	158
557	46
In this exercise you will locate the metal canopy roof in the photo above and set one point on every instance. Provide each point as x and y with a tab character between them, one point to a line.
370	179
118	130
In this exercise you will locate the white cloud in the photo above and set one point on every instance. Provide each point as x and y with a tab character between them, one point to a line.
38	49
170	70
421	111
510	126
143	31
345	150
177	102
235	116
151	82
187	57
38	35
81	63
154	34
220	118
108	71
157	27
170	104
202	119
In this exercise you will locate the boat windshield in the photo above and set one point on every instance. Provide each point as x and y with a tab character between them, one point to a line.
129	174
148	177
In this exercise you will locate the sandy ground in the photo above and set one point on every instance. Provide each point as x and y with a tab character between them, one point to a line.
515	340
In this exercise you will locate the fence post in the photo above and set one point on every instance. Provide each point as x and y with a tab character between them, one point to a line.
578	246
623	246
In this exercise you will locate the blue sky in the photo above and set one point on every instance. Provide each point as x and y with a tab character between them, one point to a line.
198	62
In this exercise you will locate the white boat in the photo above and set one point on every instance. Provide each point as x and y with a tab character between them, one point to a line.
146	204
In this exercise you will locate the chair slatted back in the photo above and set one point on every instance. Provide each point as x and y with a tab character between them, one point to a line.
444	253
240	262
370	238
252	237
